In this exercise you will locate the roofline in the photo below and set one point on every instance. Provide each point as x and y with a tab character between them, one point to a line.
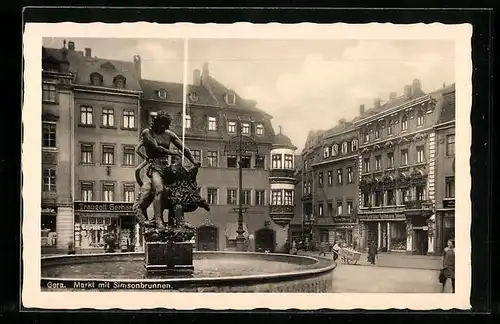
57	74
354	129
317	164
447	124
120	92
179	103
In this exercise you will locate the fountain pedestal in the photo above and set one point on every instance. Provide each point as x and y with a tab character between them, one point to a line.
169	258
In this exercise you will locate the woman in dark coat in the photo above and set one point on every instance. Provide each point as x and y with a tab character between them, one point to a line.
449	265
372	252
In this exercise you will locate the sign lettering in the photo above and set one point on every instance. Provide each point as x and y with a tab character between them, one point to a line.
449	203
49	210
382	216
103	206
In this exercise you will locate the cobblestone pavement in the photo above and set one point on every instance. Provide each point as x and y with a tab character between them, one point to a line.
375	279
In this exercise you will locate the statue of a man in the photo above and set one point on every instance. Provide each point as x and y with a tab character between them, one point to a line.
156	141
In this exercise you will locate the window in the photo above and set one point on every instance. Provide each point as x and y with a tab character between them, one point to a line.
49	180
260	197
419	190
246	161
420	154
212	196
108	155
87	191
377	131
335	150
259	130
108	117
48	135
389	127
288	161
96	79
339	176
378	198
344	148
129	192
420	118
367	136
450	144
128	156
231	196
276	161
366	199
128	119
349	207
108	192
212	123
378	159
404	123
162	93
320	179
246	197
212	159
450	187
404	195
187	121
87	153
276	197
320	209
230	98
288	198
326	152
86	113
339	208
349	175
245	128
231	127
330	178
260	161
329	209
390	160
232	161
404	157
390	198
49	92
119	82
366	165
354	145
196	155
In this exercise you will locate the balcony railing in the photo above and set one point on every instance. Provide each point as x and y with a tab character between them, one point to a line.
282	173
418	204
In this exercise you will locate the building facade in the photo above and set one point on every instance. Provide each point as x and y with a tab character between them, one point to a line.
214	116
397	163
445	172
57	103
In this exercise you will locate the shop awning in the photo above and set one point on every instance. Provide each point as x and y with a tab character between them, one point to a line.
231	229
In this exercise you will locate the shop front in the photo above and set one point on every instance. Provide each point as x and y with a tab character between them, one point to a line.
93	220
344	231
445	225
48	225
387	231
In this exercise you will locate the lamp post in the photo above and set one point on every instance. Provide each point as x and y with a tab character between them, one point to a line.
240	145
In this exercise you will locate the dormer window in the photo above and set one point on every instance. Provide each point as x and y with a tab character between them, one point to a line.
354	145
96	79
326	152
245	128
420	118
162	93
335	150
231	127
230	98
404	123
193	96
376	131
120	82
259	129
344	148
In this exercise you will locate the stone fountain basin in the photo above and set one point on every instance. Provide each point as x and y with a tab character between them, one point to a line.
214	272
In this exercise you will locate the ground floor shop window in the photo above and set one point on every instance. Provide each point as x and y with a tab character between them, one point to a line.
48	234
92	230
398	236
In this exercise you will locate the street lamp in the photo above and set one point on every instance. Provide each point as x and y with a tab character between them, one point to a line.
240	145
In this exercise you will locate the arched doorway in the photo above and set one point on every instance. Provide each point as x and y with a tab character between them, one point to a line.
265	240
207	238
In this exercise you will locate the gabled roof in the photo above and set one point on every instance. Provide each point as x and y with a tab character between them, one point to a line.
174	91
83	67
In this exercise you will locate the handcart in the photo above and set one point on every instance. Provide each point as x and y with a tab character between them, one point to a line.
349	256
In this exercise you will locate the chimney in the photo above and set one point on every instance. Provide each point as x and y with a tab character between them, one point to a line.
361	109
137	66
88	52
196	77
407	91
205	70
393	95
71	46
416	88
376	103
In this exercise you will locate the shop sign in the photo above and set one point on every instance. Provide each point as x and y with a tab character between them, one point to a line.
382	217
87	227
49	210
323	220
343	219
449	203
103	206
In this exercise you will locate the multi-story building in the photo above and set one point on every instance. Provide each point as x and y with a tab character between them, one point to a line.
333	183
397	171
103	134
57	103
445	171
214	116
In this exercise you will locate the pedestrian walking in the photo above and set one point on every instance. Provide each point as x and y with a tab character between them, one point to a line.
322	248
335	250
372	252
354	245
448	271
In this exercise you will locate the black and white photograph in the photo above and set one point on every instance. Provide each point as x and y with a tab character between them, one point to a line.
309	161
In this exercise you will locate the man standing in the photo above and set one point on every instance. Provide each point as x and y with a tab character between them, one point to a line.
372	252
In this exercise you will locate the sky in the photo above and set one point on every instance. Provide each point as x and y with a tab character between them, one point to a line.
304	84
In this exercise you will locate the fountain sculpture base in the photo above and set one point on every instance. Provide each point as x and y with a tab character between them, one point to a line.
163	258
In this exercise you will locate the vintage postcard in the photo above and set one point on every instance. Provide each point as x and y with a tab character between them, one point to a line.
225	164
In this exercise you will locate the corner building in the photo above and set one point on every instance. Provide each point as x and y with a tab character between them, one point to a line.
397	164
214	115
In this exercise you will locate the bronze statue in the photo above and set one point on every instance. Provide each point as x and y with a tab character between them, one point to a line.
172	186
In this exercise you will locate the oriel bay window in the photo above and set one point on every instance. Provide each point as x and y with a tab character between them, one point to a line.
276	161
49	135
288	197
108	192
276	197
288	161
